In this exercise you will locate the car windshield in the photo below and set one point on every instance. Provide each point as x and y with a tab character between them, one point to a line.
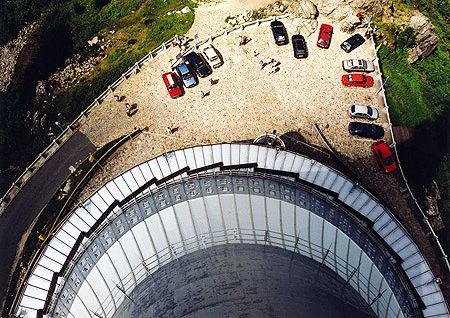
364	64
369	111
350	77
388	161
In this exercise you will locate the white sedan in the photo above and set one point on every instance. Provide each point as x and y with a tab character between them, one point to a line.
362	111
357	65
211	55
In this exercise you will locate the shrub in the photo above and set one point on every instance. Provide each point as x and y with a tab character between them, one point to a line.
406	38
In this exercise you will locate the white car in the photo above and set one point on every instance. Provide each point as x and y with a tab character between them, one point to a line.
357	65
361	111
211	55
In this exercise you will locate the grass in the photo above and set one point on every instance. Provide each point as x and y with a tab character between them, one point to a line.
139	26
418	95
416	92
148	26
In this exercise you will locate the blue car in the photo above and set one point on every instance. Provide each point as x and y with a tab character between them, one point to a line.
187	76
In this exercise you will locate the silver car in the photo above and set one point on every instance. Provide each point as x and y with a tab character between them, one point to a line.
358	65
361	111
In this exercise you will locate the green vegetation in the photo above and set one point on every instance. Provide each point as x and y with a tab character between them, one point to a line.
418	95
135	35
416	92
137	26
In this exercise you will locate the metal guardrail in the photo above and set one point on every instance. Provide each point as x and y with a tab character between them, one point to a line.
394	145
110	219
71	128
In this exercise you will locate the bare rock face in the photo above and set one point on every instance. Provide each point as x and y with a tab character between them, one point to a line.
304	14
9	53
350	23
426	39
303	9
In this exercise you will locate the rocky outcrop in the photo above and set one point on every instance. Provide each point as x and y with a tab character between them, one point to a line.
432	197
303	9
75	68
272	9
9	53
354	13
426	39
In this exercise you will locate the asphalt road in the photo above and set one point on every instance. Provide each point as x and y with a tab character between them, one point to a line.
27	204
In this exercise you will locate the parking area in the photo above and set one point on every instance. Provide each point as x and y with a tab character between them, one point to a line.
246	102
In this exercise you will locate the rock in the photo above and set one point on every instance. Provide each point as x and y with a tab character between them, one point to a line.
10	52
426	39
232	21
186	9
304	9
93	41
350	23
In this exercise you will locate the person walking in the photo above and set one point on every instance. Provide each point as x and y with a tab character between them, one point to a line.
129	109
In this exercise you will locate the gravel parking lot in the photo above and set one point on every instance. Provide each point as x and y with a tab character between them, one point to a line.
246	102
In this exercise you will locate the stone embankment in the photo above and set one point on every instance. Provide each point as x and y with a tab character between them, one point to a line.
9	54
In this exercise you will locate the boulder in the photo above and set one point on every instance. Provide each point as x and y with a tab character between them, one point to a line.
350	23
426	39
303	9
93	41
186	9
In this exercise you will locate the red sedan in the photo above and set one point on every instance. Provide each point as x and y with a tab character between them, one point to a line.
172	85
360	80
325	33
384	156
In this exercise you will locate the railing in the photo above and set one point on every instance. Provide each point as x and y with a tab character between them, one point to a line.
394	145
70	129
172	249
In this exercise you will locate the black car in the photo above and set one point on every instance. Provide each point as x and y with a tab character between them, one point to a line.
366	130
352	42
279	32
299	45
198	64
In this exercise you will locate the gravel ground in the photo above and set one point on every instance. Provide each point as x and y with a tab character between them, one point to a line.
245	103
248	102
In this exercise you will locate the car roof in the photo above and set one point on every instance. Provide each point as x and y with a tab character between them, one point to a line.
383	147
357	76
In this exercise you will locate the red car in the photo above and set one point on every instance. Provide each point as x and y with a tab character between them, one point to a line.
325	33
172	85
360	80
384	156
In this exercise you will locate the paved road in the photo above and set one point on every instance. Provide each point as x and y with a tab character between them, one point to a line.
33	197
